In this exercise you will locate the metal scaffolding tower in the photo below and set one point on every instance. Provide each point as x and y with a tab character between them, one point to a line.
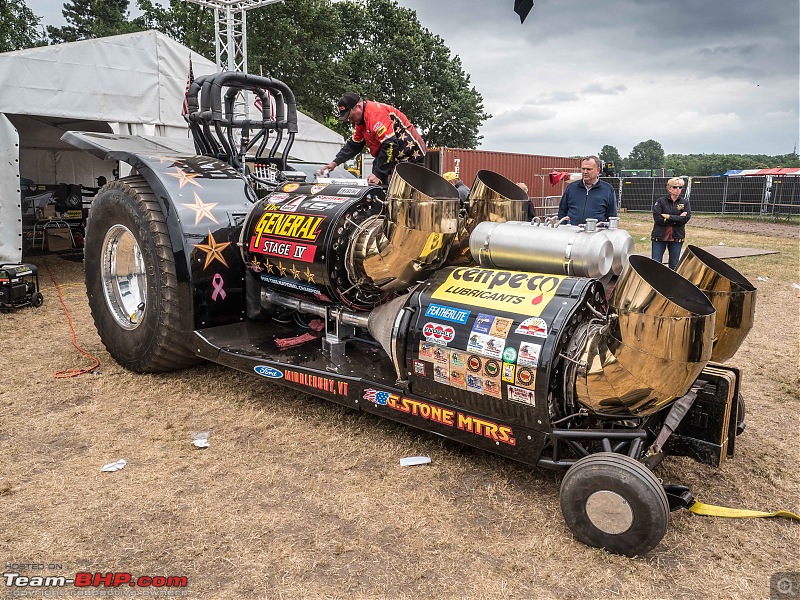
230	30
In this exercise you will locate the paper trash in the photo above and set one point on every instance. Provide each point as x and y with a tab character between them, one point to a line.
115	466
412	461
200	439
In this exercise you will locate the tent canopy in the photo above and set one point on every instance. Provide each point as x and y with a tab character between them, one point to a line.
125	84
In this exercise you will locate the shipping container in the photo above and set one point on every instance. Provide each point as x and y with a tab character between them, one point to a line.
531	169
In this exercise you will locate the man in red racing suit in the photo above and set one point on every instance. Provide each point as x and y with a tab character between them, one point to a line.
385	130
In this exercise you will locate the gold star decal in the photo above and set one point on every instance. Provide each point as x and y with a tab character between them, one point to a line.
295	272
202	209
213	250
282	269
183	177
416	154
309	276
268	265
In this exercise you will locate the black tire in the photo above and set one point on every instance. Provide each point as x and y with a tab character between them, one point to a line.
138	316
613	502
37	299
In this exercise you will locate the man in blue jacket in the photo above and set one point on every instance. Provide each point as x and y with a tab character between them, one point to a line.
588	198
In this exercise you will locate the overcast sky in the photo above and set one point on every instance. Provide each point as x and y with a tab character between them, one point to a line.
698	76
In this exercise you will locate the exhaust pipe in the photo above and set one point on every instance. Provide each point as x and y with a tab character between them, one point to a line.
732	295
492	198
656	342
392	253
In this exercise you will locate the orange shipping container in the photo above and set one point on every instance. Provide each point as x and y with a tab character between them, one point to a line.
532	169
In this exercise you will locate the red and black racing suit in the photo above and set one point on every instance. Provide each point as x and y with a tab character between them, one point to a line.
390	137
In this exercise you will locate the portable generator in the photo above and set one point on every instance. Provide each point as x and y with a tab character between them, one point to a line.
19	286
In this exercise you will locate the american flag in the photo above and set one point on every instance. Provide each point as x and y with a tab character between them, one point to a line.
375	396
185	109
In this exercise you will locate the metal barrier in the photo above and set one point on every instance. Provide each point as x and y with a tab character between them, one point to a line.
743	195
543	207
784	197
760	195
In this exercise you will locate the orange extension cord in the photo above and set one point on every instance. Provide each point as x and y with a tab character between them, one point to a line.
71	372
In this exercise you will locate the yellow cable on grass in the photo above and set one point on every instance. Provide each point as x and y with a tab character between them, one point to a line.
710	510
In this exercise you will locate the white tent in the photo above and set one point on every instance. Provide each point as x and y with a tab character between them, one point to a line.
125	84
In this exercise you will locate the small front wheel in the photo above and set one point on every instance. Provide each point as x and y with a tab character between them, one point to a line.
614	502
37	299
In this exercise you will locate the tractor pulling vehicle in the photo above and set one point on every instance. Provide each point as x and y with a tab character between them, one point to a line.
468	322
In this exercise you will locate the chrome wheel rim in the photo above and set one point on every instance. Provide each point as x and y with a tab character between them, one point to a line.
609	512
124	277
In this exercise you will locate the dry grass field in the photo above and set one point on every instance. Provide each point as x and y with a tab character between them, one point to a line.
299	498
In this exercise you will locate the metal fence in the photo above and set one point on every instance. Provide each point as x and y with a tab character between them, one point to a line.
764	196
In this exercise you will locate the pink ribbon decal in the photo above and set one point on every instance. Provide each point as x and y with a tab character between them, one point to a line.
217	282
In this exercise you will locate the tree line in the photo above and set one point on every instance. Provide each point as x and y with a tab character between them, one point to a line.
319	48
650	155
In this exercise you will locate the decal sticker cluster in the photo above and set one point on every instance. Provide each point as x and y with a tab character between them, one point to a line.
490	361
501	434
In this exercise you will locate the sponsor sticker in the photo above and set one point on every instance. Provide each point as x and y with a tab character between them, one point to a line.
441	356
528	355
526	377
441	373
333	199
458	378
438	333
534	326
318	206
278	197
476	342
292	285
491	368
475	363
458	360
426	351
510	354
474	383
448	313
266	371
521	395
511	291
419	368
290	187
318	187
293	205
491	387
483	323
348	191
493	347
501	327
508	372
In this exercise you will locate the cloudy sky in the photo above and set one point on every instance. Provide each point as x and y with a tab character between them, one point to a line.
698	76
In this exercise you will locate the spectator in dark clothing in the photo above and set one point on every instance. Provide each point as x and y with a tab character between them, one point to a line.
670	215
588	198
385	130
463	190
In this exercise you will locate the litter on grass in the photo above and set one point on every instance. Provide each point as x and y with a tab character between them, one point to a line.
412	461
200	439
115	466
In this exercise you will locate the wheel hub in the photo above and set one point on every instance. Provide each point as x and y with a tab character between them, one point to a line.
609	512
124	277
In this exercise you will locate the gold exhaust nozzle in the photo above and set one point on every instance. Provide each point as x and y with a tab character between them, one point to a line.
657	341
732	295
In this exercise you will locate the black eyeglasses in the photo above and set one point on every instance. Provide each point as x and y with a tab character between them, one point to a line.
676	187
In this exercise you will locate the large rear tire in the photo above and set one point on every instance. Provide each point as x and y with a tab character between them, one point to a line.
613	502
131	282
